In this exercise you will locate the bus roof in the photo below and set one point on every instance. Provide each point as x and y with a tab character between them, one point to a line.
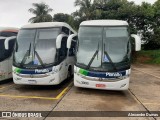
9	29
104	23
48	24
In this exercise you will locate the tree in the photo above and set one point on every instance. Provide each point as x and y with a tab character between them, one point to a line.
86	9
154	41
41	12
61	17
141	18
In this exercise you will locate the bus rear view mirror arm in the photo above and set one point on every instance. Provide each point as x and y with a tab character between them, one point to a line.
69	40
137	42
59	39
6	43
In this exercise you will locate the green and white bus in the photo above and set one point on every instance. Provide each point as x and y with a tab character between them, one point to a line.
44	54
104	55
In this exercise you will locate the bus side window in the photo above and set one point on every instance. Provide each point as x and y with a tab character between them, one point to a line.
63	49
72	50
65	30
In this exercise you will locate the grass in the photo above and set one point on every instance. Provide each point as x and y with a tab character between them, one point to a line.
148	57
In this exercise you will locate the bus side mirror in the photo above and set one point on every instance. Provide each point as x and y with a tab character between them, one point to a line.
58	40
6	43
137	42
69	40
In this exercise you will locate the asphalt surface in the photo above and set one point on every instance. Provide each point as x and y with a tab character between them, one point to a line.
143	95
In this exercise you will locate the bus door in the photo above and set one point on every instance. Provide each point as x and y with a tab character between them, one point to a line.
10	56
72	50
62	57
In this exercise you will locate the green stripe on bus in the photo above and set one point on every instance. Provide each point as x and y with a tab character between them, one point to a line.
83	72
18	70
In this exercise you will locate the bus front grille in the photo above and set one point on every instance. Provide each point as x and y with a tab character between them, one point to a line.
32	76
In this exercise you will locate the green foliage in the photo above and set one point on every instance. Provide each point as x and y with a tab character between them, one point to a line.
143	19
86	9
149	56
60	17
41	12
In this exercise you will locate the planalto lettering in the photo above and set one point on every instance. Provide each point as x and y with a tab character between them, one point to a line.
114	74
41	71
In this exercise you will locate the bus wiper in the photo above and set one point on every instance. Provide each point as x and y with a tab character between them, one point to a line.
25	56
93	57
39	58
110	60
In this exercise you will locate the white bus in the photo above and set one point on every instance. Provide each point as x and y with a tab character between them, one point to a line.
44	54
104	55
7	34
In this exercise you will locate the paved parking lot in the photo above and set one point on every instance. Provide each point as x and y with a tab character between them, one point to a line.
143	95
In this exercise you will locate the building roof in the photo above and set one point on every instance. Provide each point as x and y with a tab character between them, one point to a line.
104	23
48	24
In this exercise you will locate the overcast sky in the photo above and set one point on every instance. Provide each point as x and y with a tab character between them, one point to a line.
14	13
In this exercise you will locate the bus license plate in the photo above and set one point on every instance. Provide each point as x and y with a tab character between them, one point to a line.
32	81
100	85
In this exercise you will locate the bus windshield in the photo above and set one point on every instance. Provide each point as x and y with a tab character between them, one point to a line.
104	48
36	47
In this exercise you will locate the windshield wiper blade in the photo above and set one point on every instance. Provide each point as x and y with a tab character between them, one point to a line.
93	57
90	62
25	56
110	60
39	58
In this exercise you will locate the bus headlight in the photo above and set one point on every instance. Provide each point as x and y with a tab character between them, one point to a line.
124	77
55	69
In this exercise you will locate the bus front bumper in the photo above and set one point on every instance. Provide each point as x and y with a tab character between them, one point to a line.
116	85
48	80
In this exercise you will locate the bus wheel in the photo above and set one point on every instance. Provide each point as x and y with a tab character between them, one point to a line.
69	73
